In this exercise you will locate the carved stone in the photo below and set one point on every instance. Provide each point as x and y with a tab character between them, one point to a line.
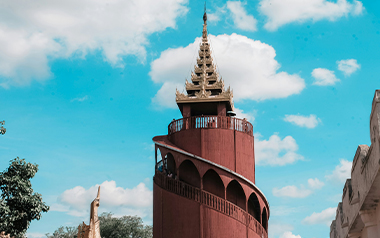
92	230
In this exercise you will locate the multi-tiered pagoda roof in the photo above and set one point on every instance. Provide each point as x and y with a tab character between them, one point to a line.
206	85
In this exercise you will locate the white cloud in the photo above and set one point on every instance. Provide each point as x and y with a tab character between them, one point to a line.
35	235
348	66
315	183
241	114
276	151
323	217
277	229
120	201
80	99
324	77
303	121
34	32
57	207
341	172
283	211
213	17
289	234
302	192
291	191
247	65
281	12
240	17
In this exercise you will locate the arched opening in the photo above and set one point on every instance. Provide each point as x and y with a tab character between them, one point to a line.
159	161
170	164
189	174
212	183
264	219
235	194
254	206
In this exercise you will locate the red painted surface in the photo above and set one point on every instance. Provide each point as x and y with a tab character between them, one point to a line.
178	216
229	148
204	200
221	108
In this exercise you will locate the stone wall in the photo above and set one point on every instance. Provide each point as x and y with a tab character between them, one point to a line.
358	215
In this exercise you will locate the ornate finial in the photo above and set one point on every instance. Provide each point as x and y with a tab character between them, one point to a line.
98	196
205	15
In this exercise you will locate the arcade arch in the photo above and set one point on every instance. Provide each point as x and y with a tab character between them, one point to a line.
235	194
254	206
264	219
189	174
212	183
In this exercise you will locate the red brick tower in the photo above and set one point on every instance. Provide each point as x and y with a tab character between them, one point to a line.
204	182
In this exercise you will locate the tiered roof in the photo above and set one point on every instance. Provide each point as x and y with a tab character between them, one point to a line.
205	85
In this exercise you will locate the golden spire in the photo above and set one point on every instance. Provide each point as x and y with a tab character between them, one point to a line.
205	83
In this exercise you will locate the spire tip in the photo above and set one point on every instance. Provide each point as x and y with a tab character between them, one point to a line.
205	14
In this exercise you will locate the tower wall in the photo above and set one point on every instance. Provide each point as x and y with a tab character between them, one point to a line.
219	205
174	216
229	148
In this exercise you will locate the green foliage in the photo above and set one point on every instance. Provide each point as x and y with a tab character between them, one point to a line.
112	227
126	226
18	204
64	232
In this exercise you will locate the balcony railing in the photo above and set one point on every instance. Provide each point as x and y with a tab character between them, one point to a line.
210	200
218	122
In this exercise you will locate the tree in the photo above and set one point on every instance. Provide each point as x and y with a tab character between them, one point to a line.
125	226
112	227
64	232
18	204
2	129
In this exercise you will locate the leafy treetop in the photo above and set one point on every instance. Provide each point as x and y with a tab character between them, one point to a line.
18	204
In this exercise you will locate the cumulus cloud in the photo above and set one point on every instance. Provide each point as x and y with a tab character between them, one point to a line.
277	229
240	17
120	201
276	151
341	172
241	114
323	217
324	77
303	121
35	235
348	66
291	191
281	12
315	183
249	66
302	192
289	234
34	32
283	211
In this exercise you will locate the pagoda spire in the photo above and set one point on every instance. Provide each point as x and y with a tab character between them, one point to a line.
205	85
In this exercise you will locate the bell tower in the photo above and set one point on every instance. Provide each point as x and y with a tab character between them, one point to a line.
204	182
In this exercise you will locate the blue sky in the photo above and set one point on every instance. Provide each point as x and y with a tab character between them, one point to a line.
85	85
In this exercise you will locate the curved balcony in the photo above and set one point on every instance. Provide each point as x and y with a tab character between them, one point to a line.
211	122
209	200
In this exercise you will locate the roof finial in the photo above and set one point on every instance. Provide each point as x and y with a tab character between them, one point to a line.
205	15
98	196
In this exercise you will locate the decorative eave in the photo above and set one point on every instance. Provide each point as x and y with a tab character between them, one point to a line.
226	96
205	85
218	85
